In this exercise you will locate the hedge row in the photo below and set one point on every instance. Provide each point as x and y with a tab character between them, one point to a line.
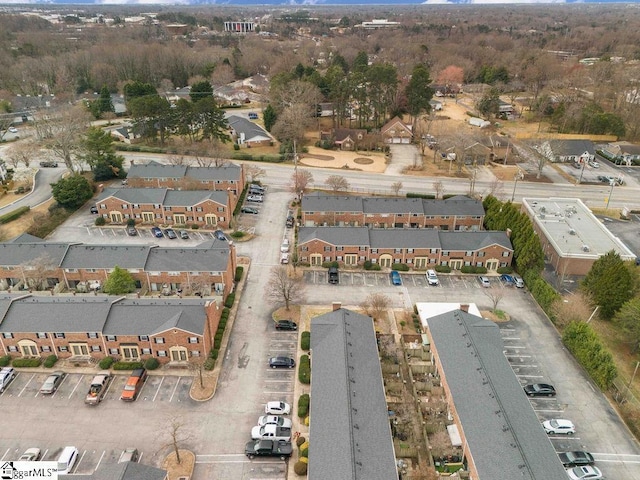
5	361
50	361
303	405
305	340
587	348
139	148
126	365
542	292
13	215
259	158
236	210
238	275
27	362
400	267
210	362
304	370
472	269
420	195
368	265
106	363
229	300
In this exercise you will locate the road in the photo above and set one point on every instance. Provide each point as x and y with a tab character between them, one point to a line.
41	191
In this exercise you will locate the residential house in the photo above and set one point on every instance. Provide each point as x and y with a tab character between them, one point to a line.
348	138
485	400
476	154
506	109
622	153
349	426
562	151
248	134
179	93
436	105
230	95
417	248
92	327
162	206
446	90
396	131
454	213
223	178
206	269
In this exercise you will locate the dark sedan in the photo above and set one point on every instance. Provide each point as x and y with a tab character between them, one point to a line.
170	233
286	325
540	390
576	459
282	362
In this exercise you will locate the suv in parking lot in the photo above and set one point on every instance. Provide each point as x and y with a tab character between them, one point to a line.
156	232
432	278
334	277
559	426
7	374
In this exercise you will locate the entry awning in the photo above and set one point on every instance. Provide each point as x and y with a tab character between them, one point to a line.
454	435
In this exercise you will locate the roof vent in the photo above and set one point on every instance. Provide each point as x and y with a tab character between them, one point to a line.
543	209
572	232
585	248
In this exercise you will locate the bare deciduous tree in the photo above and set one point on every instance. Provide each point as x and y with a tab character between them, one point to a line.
495	295
337	183
253	172
375	305
283	287
496	188
178	160
21	152
396	187
438	189
300	181
38	270
174	431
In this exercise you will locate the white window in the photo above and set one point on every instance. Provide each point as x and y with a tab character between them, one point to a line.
92	335
13	348
111	338
505	254
113	351
7	335
143	338
59	335
95	348
159	340
41	335
193	339
162	353
146	351
45	349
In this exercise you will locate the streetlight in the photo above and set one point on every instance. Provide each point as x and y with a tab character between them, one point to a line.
582	172
612	182
516	177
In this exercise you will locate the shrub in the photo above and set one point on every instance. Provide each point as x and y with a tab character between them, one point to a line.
300	468
330	264
443	269
225	313
230	299
504	270
304	451
420	195
50	361
209	363
300	441
27	362
4	361
237	234
195	226
468	269
236	146
106	363
126	365
587	348
214	353
13	215
151	363
481	269
303	405
367	265
305	340
238	275
100	221
376	267
304	370
400	267
131	222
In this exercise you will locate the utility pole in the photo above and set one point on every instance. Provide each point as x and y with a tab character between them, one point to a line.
635	370
613	183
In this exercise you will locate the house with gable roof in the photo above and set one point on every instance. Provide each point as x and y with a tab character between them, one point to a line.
572	151
622	153
247	133
396	131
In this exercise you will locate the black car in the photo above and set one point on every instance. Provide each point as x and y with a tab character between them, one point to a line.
93	209
286	325
290	221
48	164
540	390
282	362
252	210
576	459
170	233
219	234
333	276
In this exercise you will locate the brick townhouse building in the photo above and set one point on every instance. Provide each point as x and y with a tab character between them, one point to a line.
162	206
171	330
454	213
206	269
224	178
418	248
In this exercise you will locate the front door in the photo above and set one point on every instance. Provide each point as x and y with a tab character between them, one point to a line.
385	261
79	349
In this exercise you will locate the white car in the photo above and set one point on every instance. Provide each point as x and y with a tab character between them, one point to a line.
432	278
30	455
559	426
284	258
6	375
255	198
594	164
277	408
284	248
13	130
586	472
484	281
274	420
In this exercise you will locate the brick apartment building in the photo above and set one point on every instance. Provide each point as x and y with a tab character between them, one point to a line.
171	330
454	213
418	248
30	263
162	206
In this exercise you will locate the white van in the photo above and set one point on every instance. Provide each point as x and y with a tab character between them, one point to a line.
67	460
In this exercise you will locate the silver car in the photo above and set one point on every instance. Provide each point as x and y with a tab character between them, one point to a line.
7	374
52	383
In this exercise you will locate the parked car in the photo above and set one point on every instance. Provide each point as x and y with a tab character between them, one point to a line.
286	325
277	408
274	420
284	248
584	473
98	388
282	362
508	280
540	390
251	210
30	455
271	432
184	235
219	234
258	189
290	221
253	116
559	426
13	130
48	164
170	233
432	278
594	164
576	459
519	281
94	209
52	383
255	198
134	384
131	231
268	448
7	374
333	275
396	279
129	455
284	258
484	281
576	165
156	232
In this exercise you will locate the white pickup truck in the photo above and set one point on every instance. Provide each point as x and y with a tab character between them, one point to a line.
271	432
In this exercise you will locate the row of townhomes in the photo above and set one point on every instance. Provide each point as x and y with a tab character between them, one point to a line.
417	248
85	328
29	263
454	213
177	195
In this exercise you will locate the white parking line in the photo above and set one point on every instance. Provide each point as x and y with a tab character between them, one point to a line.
80	461
74	388
5	454
158	391
548	411
517	365
174	389
277	393
277	381
513	347
516	355
44	455
25	387
529	376
511	338
616	457
563	437
99	461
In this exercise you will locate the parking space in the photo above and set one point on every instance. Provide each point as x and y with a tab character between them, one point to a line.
144	233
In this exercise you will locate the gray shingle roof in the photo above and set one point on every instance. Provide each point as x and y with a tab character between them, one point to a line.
404	238
469	240
188	259
229	171
331	203
106	256
572	147
135	195
335	235
350	424
156	170
250	129
153	316
490	402
15	254
457	205
392	205
185	198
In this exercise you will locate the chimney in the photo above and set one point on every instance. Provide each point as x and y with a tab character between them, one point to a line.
336	306
464	307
